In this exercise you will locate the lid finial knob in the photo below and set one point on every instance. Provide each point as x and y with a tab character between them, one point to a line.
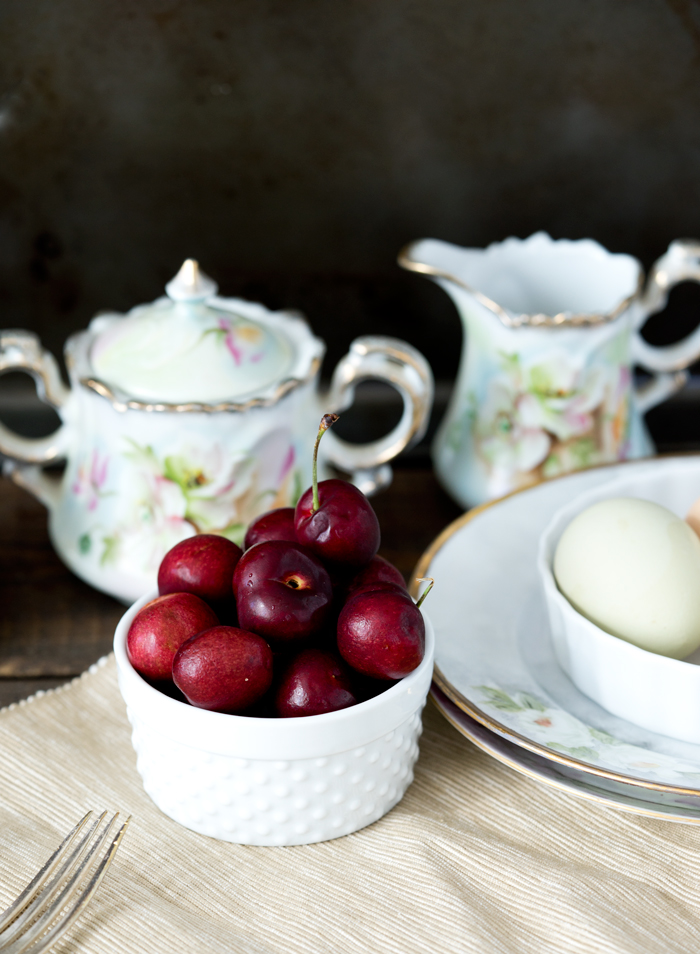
191	284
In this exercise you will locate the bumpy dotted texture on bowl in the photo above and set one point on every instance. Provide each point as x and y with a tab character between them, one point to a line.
262	802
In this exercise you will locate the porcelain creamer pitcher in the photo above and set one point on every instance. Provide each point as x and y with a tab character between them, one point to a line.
552	332
192	414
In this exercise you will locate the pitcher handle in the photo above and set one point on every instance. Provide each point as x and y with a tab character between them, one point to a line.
22	351
680	263
404	367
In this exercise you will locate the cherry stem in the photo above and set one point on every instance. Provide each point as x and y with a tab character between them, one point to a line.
431	583
328	420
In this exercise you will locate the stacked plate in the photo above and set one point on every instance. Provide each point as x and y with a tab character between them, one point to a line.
497	679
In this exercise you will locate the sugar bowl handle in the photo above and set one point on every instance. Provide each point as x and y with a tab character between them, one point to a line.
375	357
22	351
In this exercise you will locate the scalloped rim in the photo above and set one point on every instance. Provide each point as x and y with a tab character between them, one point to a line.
564	319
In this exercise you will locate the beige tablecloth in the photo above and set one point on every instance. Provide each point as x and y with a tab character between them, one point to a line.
475	858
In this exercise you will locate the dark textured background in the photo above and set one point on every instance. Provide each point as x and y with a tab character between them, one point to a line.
294	147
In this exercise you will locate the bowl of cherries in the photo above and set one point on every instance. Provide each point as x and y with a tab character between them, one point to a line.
275	692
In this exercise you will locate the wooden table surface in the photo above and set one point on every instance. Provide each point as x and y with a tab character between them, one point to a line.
53	626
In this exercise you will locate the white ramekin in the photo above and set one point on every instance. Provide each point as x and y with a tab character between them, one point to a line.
274	781
652	691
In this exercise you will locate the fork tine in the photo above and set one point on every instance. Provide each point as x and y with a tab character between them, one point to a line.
74	895
80	896
37	882
49	889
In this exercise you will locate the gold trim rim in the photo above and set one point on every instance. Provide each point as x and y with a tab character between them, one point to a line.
469	708
561	320
130	404
553	783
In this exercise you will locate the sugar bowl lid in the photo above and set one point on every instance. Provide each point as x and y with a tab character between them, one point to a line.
192	347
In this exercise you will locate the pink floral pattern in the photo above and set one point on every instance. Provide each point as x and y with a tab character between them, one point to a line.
242	341
200	489
91	478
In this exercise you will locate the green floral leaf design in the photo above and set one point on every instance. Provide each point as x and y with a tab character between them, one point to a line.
219	333
463	424
531	702
509	361
583	451
616	350
454	435
234	532
600	735
144	455
181	473
578	751
500	699
84	543
110	549
175	469
540	381
297	488
552	466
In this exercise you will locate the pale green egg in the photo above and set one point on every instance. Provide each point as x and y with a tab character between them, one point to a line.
633	568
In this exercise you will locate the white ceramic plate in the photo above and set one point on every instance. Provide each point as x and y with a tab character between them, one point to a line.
607	792
494	658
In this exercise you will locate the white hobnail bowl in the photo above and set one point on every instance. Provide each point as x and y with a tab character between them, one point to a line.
274	781
652	691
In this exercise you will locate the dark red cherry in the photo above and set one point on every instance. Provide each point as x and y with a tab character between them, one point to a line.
314	682
282	591
159	629
381	634
274	525
202	565
378	570
344	529
334	518
224	668
374	587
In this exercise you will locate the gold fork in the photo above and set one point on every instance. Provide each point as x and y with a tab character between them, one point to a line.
59	893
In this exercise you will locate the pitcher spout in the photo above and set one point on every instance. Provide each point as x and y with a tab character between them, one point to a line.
536	282
444	263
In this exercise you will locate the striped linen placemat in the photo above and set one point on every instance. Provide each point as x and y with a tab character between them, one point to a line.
475	857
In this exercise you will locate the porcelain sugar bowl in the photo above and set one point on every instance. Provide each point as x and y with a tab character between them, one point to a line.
193	414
